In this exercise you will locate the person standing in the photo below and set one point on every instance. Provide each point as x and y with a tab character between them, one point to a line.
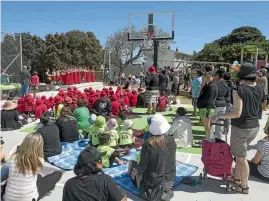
163	81
263	81
48	78
25	80
152	90
248	98
220	101
229	101
196	88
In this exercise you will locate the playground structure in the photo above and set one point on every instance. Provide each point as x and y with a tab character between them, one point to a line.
253	50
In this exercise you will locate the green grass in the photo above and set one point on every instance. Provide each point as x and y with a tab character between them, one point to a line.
28	130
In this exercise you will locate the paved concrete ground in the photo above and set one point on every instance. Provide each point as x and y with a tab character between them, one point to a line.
209	190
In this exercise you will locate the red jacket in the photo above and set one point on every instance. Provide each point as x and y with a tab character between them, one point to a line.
40	108
133	100
126	101
29	105
34	80
162	102
115	107
92	100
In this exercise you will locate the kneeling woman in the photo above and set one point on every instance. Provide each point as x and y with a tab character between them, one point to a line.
156	170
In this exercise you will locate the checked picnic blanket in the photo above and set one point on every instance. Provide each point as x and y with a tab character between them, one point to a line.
69	156
120	177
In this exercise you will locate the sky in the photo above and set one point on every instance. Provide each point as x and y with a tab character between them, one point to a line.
195	23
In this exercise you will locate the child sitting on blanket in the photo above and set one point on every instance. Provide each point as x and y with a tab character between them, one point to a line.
162	102
111	155
96	129
126	135
111	126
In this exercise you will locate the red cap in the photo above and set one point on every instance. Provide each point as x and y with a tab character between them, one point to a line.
103	94
110	88
58	99
68	100
134	91
38	102
114	97
152	69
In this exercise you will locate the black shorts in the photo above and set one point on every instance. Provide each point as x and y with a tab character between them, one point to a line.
253	170
194	101
174	89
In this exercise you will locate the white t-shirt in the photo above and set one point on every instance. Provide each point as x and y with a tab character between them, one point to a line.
263	146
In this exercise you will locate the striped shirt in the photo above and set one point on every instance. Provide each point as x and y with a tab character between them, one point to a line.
263	146
20	187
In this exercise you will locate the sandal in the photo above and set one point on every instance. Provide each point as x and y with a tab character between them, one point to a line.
240	189
235	181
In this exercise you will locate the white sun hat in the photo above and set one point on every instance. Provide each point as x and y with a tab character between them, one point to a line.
159	125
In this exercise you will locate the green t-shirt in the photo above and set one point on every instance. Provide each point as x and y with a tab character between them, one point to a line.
94	133
114	138
82	116
109	151
126	136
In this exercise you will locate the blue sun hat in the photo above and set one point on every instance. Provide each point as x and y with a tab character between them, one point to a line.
92	119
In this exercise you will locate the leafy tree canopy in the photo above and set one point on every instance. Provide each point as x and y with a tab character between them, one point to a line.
228	48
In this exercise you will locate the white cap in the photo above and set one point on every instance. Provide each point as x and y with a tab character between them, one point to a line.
159	125
133	77
128	123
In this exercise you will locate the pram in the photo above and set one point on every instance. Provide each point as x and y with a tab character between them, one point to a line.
217	159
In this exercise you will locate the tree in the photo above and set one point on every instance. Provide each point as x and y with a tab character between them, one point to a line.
124	52
228	48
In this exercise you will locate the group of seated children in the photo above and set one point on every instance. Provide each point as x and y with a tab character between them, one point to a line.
110	139
105	102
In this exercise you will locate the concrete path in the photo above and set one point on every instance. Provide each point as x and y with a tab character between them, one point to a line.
209	190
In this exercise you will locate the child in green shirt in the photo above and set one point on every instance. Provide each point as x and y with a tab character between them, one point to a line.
126	135
111	127
96	129
111	155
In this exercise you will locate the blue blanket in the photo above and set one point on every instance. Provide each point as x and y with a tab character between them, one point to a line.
69	156
119	174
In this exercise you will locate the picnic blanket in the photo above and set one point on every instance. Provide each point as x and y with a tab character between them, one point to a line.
69	156
120	177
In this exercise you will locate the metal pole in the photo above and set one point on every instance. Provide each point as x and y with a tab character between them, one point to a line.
109	64
242	55
256	57
155	53
21	49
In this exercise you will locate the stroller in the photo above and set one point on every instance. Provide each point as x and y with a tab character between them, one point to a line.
217	159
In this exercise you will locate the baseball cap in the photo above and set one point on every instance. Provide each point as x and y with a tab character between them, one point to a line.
2	142
89	154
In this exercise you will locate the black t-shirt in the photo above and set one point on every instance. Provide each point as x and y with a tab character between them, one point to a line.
252	98
103	106
229	95
208	96
68	129
152	82
222	92
52	145
99	187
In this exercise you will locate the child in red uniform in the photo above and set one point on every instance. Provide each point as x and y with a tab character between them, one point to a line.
133	99
129	94
34	81
92	98
162	102
40	108
115	105
51	102
45	101
74	103
126	99
29	104
21	107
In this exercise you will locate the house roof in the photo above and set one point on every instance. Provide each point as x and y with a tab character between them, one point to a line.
253	49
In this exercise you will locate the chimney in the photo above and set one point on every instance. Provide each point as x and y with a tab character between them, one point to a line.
176	49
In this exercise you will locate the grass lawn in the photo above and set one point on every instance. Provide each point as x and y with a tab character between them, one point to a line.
28	130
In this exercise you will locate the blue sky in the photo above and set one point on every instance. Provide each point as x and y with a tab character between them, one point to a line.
196	23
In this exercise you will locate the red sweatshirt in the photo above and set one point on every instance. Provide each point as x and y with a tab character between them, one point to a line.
133	100
162	102
34	80
40	108
115	107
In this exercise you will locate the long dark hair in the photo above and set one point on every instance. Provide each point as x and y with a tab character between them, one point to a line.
87	170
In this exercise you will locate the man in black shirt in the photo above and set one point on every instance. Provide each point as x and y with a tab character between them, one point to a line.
229	101
102	105
90	184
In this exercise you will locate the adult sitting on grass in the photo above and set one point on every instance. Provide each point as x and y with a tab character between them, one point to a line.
24	181
259	165
156	170
90	183
102	105
82	114
9	116
67	124
50	135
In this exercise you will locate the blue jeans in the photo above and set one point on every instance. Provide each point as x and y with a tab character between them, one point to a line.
24	89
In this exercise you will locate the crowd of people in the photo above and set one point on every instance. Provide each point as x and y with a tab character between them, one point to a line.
102	117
